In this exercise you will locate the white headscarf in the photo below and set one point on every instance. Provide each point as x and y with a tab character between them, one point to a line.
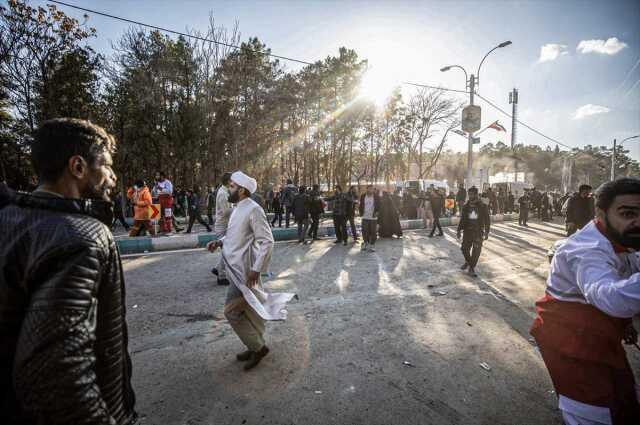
241	179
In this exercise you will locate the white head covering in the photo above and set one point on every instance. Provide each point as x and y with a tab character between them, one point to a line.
241	179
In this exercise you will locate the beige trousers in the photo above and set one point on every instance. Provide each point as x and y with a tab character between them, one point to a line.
243	319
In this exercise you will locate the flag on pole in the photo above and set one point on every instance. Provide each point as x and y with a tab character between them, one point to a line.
496	126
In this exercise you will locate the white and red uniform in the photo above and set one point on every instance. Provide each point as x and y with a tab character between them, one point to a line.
593	291
164	189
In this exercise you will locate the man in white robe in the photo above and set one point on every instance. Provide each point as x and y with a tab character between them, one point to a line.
223	212
246	252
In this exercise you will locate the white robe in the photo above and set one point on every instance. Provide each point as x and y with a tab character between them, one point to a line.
247	246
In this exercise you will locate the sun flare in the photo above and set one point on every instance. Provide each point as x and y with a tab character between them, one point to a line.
378	84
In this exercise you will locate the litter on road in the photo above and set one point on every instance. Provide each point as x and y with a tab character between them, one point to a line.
485	366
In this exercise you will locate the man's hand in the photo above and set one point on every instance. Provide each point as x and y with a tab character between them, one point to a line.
630	335
252	279
213	245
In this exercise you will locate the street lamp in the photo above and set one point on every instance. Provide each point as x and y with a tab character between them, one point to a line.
613	155
471	82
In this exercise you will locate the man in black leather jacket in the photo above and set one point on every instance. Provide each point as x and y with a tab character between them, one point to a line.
63	336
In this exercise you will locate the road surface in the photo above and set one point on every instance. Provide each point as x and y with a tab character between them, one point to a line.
393	337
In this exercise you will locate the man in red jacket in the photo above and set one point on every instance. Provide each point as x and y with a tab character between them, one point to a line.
593	292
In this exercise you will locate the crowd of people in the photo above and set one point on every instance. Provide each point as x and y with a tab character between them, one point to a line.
65	356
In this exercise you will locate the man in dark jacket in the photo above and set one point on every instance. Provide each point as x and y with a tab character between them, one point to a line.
580	210
340	205
316	210
525	203
63	347
301	206
197	203
475	223
289	193
437	205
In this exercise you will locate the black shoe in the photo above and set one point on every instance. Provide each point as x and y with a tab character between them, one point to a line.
431	235
256	357
179	229
472	272
243	357
464	266
209	229
440	234
223	282
338	241
214	271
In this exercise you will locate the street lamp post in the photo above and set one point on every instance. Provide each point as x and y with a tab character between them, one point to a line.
470	83
613	155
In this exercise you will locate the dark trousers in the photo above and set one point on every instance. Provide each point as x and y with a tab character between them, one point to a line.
120	217
471	248
195	215
288	214
370	231
523	217
303	226
340	224
277	216
352	223
436	223
313	230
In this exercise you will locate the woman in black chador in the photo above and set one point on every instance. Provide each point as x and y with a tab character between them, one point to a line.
389	222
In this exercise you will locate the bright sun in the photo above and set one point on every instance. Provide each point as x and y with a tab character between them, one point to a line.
378	84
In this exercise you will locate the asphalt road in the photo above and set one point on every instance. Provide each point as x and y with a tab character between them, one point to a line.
392	337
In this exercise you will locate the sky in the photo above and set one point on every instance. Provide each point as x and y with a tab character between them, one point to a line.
576	64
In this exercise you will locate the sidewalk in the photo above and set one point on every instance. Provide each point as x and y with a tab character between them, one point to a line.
144	244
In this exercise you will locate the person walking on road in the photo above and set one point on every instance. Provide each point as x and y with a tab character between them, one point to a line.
246	251
289	193
119	207
64	356
580	210
316	210
301	206
388	218
340	206
437	205
461	197
525	203
223	212
197	203
352	197
276	206
140	197
474	224
592	295
369	208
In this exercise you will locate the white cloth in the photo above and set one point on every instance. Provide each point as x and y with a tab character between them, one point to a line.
577	413
369	208
164	187
586	269
223	211
247	247
245	181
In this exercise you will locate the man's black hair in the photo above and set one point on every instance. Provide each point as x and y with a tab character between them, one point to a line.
339	188
59	139
473	189
289	181
162	174
316	187
584	187
226	177
607	193
302	189
140	183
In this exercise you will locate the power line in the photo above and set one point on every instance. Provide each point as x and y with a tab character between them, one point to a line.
523	124
434	87
107	15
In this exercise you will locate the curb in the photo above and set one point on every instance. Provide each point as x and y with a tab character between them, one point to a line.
140	245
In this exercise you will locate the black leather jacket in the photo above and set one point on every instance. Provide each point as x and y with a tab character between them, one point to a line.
63	335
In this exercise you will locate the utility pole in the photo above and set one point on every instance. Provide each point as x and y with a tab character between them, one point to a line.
472	89
613	161
513	100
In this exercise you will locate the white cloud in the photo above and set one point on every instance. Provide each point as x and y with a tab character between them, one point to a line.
588	110
608	47
550	52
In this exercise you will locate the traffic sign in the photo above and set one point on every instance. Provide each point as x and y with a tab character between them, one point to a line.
154	211
471	115
449	203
